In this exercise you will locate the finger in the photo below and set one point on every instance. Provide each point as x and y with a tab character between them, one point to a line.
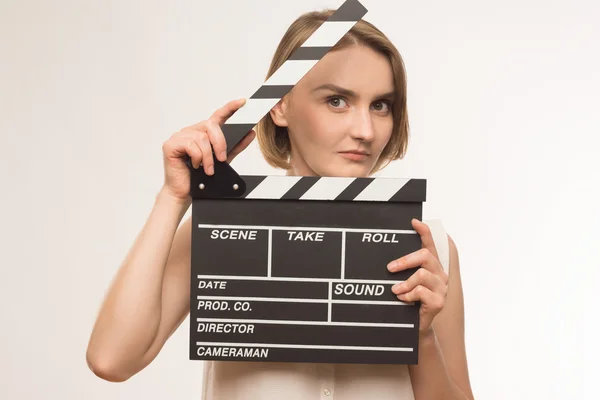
215	133
203	142
217	139
431	304
431	301
242	144
179	147
221	115
421	277
426	236
420	258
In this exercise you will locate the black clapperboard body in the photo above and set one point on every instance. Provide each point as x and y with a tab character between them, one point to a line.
294	268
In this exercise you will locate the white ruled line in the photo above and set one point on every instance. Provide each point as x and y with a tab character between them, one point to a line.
367	302
270	253
329	302
303	346
294	322
289	300
293	279
343	255
304	228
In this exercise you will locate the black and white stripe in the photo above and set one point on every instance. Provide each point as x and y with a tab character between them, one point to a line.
334	188
290	72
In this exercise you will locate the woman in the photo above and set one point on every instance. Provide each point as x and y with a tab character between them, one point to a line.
346	117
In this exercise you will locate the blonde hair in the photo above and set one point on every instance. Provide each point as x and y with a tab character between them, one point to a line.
273	140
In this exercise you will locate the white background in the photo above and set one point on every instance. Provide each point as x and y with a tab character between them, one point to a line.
503	101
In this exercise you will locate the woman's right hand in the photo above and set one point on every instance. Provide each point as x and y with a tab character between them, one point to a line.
195	141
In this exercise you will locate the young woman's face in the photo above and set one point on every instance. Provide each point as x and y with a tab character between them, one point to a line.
339	115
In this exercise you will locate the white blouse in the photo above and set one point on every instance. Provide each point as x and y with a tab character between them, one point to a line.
237	380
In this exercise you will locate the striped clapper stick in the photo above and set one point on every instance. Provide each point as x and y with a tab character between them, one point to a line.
225	181
293	268
290	72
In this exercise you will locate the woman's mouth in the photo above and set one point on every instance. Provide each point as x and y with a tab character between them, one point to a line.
354	155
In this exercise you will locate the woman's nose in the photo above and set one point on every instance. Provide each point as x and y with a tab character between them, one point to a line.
362	126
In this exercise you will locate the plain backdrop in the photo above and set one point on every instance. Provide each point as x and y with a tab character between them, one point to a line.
503	100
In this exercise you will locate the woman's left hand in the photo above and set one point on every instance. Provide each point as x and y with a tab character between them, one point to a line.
429	284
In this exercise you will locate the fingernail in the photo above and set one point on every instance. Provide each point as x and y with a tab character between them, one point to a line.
396	288
223	155
211	170
392	265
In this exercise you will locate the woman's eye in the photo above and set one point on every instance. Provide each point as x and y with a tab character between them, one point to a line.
382	103
335	101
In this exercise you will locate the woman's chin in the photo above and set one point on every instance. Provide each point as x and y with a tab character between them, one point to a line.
349	170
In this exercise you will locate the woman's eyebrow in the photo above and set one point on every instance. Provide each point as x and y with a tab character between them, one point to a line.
348	92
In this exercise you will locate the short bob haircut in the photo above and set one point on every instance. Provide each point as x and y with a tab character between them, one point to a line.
273	140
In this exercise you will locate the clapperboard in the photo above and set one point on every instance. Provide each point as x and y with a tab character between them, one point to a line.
293	269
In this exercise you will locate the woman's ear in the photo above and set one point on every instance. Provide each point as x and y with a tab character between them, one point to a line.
279	111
